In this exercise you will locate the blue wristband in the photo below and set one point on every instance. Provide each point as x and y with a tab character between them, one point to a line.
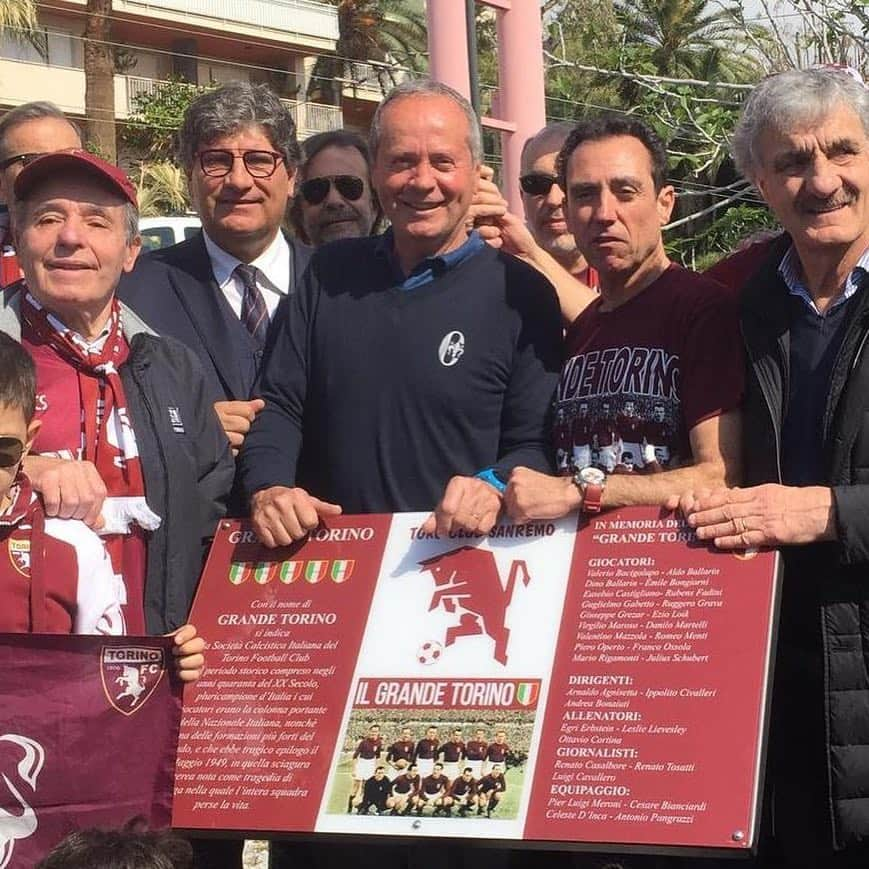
489	476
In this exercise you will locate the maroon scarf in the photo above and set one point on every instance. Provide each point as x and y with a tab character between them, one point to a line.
107	438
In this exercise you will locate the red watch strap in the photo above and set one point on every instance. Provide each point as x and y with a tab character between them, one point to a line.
591	498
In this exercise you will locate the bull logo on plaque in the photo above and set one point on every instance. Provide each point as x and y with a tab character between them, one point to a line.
130	675
467	583
22	822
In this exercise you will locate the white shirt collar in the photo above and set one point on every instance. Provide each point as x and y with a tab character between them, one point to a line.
273	264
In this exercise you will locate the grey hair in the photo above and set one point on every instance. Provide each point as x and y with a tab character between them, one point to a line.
131	222
427	88
34	111
557	131
230	108
792	99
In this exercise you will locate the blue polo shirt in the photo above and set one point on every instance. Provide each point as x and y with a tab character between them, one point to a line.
431	267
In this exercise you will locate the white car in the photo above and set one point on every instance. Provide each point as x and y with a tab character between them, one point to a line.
160	232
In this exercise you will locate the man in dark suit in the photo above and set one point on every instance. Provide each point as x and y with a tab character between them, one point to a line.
218	290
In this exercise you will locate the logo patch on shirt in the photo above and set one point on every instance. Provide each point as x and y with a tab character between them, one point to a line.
175	420
19	552
452	348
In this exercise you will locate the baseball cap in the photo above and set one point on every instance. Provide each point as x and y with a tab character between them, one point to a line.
71	161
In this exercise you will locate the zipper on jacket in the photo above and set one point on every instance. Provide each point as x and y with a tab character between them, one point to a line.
776	423
134	370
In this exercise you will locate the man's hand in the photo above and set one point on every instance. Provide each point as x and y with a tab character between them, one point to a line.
280	515
487	206
531	495
468	504
236	417
188	653
768	515
70	489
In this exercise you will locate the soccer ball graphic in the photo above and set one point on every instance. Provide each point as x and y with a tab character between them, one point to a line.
429	652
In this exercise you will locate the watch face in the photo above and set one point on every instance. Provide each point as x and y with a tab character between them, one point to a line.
592	476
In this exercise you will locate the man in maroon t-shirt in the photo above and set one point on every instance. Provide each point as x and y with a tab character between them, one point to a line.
426	752
475	752
453	752
659	346
365	761
400	754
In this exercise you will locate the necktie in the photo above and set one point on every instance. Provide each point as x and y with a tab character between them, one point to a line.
254	313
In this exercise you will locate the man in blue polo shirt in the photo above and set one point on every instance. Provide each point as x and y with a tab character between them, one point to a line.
418	367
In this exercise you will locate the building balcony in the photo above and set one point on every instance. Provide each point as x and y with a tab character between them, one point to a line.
310	117
371	81
22	82
290	22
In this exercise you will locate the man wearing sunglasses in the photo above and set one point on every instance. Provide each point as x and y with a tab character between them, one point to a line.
544	202
334	198
217	291
26	132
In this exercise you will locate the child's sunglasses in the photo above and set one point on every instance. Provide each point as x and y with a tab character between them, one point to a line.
11	451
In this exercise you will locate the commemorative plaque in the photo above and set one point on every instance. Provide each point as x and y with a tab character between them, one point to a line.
584	687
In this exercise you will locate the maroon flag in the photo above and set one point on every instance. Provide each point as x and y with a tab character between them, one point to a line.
88	733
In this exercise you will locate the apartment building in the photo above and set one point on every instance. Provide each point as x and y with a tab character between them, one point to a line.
201	41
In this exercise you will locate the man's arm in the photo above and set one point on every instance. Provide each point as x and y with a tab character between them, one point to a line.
500	228
715	445
281	512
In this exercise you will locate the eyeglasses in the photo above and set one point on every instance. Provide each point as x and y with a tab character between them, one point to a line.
537	184
217	162
11	451
23	159
315	190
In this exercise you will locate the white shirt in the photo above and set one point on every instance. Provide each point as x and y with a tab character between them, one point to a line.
272	275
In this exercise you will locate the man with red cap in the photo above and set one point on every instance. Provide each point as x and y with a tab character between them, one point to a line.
109	391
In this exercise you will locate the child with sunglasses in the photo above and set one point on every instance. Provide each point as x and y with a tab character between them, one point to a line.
55	574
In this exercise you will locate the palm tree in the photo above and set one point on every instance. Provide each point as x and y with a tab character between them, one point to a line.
99	72
388	32
682	38
18	19
162	189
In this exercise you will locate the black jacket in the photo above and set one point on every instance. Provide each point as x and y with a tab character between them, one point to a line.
186	461
174	291
824	634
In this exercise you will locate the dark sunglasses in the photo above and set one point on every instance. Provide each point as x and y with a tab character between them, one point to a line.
537	184
23	159
218	162
11	451
315	190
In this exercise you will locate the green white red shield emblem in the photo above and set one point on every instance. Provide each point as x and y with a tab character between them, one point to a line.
341	569
315	571
264	572
527	693
239	571
290	571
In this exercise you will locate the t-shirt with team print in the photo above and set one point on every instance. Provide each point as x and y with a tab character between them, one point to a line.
637	379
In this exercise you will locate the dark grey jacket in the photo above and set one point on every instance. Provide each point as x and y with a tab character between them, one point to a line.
825	608
187	465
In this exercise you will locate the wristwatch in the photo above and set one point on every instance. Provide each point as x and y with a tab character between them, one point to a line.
591	482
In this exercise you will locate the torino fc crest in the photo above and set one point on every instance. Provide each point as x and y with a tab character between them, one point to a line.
21	822
467	583
130	675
